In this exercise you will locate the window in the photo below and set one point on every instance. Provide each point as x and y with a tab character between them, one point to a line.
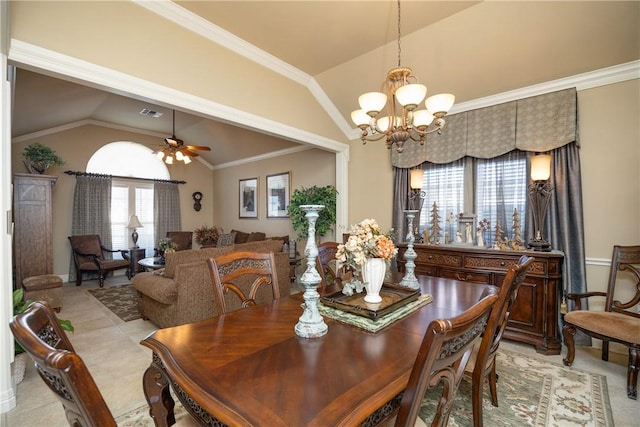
490	188
130	196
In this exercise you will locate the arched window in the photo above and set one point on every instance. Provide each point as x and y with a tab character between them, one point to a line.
129	196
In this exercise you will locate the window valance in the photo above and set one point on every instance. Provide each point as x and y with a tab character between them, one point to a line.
540	123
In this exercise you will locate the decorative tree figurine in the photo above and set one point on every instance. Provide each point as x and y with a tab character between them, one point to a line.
499	235
517	239
434	236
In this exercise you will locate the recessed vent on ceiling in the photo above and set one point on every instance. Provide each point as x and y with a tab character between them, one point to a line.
148	112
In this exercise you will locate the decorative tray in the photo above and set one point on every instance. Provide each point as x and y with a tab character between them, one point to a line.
393	297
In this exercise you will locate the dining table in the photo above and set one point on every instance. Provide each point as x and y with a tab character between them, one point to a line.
249	368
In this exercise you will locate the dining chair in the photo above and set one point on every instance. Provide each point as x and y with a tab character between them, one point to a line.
38	331
619	321
327	265
482	363
91	256
243	279
442	358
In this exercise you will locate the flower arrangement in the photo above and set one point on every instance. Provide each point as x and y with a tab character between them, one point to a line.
206	236
366	240
484	225
166	245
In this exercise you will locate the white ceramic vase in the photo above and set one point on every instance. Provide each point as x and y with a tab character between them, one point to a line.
373	272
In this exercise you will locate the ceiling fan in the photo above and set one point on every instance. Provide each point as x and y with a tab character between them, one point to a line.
175	148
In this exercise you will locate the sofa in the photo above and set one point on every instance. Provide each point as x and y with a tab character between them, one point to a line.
182	292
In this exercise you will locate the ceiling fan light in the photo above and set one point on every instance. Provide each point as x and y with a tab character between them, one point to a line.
372	102
440	104
169	160
179	155
159	154
411	95
186	160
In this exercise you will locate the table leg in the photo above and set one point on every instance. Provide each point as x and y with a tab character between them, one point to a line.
156	390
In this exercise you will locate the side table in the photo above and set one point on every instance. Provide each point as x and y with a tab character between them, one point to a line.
135	255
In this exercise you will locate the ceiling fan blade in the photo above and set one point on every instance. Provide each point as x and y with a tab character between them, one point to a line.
188	152
198	147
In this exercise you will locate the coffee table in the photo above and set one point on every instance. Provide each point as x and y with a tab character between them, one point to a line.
151	263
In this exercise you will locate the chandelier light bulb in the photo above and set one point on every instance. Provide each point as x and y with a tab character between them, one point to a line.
372	102
440	104
409	96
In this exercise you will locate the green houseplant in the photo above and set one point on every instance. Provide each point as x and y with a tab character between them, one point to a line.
313	196
38	158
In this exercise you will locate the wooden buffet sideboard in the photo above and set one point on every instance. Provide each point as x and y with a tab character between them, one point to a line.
534	317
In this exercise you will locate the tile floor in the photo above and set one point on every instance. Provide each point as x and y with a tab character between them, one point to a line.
111	350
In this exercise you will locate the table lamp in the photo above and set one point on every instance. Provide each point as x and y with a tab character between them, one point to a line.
539	196
134	223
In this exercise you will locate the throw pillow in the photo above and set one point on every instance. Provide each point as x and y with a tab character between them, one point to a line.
256	237
226	239
241	236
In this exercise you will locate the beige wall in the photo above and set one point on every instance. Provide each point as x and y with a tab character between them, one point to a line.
308	168
75	147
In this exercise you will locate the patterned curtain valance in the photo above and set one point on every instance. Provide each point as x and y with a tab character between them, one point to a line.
540	123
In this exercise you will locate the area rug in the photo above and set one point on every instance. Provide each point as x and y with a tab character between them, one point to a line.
121	300
534	392
531	392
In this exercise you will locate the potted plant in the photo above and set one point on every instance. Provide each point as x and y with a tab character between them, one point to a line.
20	361
38	158
313	196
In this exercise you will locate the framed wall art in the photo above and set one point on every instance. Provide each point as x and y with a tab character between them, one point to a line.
248	197
278	195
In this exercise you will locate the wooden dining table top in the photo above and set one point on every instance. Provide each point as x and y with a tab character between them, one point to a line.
248	367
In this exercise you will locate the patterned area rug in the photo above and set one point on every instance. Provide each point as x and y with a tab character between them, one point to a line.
531	392
122	300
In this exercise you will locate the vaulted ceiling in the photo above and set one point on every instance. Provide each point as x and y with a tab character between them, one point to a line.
470	49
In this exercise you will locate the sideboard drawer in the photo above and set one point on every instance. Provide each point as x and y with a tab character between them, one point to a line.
466	276
446	260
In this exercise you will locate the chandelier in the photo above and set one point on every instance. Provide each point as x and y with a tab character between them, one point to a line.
403	120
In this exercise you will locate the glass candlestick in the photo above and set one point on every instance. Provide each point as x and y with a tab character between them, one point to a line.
311	324
410	280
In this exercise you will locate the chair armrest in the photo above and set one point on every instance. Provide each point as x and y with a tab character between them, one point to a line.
577	298
123	252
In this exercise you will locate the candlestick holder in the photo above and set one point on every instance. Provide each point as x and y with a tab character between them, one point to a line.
311	324
410	280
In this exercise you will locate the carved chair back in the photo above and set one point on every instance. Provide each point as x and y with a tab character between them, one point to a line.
243	279
327	265
443	355
482	363
39	333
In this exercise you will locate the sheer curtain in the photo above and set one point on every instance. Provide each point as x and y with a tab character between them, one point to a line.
166	208
91	211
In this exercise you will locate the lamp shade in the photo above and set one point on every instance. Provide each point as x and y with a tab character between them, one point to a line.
422	118
372	102
360	117
134	222
541	167
440	103
416	178
411	95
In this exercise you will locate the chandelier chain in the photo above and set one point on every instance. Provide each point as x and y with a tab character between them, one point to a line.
399	47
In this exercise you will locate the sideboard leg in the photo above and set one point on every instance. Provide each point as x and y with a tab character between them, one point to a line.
156	390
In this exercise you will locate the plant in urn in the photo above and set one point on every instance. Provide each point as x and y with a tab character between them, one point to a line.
311	324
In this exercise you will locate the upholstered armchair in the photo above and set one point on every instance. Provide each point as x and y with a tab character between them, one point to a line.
182	239
90	256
